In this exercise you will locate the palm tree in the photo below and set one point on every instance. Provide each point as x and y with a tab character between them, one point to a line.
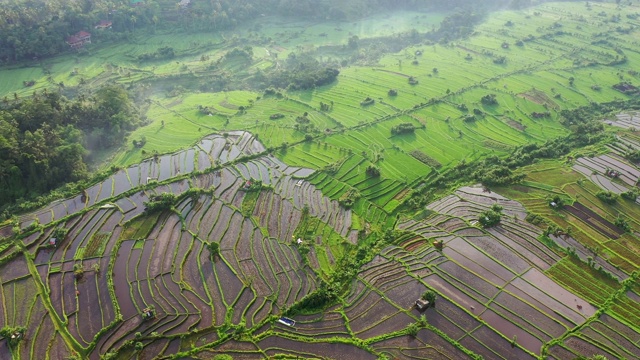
133	20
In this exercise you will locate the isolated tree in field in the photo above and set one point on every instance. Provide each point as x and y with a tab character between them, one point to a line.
490	217
139	346
214	249
133	20
373	171
403	128
13	335
78	271
489	99
430	296
353	42
556	202
622	223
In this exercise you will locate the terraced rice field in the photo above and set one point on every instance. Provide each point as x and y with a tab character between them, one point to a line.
160	261
256	226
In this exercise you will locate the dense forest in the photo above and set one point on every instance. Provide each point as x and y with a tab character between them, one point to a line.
44	140
33	29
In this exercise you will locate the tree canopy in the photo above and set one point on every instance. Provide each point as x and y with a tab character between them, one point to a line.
45	140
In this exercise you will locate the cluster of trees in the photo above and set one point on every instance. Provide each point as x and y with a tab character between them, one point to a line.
489	99
45	140
162	202
304	125
493	171
490	217
622	223
245	53
608	197
163	53
456	26
372	171
403	128
301	73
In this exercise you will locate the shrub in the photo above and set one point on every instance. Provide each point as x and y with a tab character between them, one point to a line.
490	217
165	52
214	249
500	60
349	198
633	156
78	271
413	329
607	197
373	171
556	202
631	194
367	101
60	233
469	118
425	159
623	224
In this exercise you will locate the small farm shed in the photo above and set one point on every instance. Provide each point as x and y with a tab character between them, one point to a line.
422	304
78	40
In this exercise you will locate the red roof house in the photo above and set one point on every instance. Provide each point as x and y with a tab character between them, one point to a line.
79	39
104	24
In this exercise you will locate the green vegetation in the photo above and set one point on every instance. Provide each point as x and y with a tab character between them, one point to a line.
430	296
403	128
490	217
45	140
607	196
278	186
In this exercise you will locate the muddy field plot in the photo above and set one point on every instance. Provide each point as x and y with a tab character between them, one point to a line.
111	261
494	275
